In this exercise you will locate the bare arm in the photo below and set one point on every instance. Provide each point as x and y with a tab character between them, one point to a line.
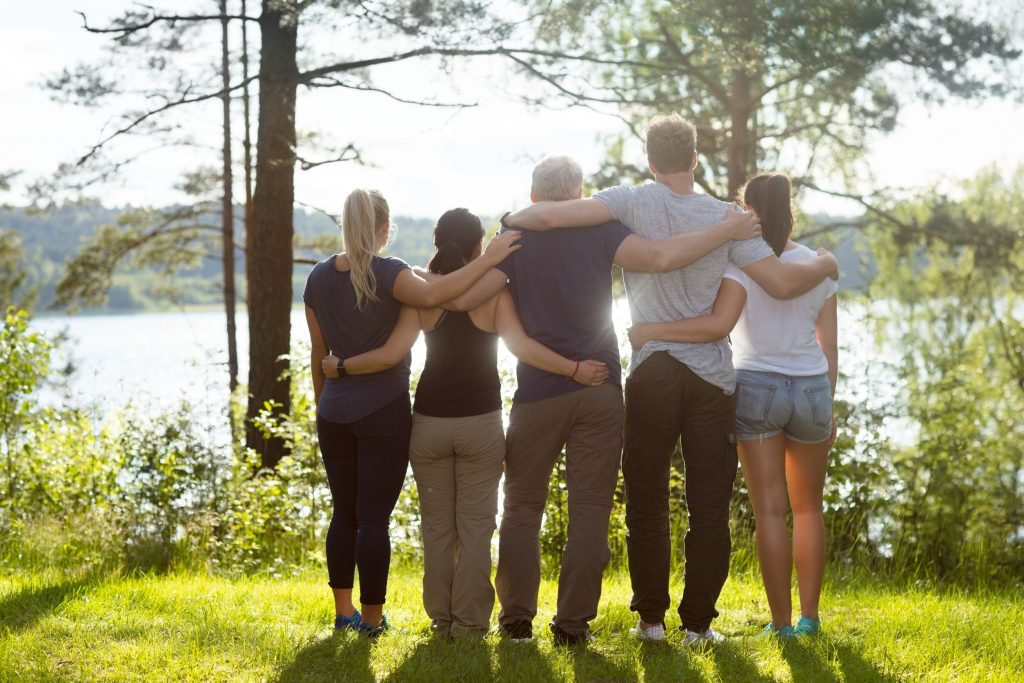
827	330
790	280
531	352
415	291
646	256
728	306
485	288
573	213
402	337
318	349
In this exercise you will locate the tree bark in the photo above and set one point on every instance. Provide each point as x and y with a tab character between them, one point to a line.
740	139
246	152
227	212
271	248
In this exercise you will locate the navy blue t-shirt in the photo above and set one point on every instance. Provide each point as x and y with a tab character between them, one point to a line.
350	331
561	281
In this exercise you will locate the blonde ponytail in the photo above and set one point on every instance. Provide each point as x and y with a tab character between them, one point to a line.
365	212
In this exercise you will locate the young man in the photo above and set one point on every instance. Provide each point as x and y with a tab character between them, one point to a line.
561	282
678	390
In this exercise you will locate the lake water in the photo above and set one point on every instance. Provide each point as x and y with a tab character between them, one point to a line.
153	361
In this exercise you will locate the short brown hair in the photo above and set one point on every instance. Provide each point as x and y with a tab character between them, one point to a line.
671	142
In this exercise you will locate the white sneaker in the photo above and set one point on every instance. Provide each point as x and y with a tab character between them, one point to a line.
708	637
653	633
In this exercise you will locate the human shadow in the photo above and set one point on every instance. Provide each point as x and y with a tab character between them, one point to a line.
591	665
808	659
22	608
523	662
340	655
661	662
733	663
443	659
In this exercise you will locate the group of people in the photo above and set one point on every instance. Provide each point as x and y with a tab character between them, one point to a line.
696	270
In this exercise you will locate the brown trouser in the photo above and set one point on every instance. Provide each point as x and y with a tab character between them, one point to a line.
588	423
457	463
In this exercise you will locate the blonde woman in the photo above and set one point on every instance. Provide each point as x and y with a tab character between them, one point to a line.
353	302
457	449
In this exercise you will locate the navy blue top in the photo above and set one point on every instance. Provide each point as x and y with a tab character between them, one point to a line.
349	332
561	281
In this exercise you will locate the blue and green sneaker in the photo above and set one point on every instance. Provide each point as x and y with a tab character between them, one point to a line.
807	626
343	623
785	632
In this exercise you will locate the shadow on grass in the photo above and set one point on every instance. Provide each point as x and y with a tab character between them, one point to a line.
22	608
590	665
441	659
732	660
808	661
339	656
523	662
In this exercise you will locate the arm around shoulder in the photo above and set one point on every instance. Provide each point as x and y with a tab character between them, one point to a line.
784	280
571	213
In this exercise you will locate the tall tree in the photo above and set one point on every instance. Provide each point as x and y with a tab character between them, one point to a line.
789	83
227	205
270	252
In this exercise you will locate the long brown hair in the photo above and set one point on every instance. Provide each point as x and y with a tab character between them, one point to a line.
770	195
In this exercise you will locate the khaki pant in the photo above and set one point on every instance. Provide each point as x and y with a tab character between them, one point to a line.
457	462
588	423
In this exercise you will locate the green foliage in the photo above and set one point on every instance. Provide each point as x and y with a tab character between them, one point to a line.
15	289
767	82
953	271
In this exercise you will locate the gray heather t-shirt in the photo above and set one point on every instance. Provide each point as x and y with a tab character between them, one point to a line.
656	212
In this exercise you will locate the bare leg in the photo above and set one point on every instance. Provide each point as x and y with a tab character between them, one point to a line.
372	614
764	467
343	602
805	474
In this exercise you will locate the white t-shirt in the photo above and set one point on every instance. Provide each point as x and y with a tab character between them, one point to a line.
775	335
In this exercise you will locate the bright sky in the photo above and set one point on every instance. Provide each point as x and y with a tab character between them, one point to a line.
426	160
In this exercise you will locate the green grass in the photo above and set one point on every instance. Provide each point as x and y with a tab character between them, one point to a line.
202	628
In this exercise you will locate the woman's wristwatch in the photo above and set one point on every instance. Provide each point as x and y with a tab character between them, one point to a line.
342	372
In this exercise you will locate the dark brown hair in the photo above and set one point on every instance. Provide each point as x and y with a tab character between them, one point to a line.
457	233
770	195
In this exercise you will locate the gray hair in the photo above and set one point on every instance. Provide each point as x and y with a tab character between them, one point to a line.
557	179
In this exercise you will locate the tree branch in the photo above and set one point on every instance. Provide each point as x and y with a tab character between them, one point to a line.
713	86
331	82
349	153
128	29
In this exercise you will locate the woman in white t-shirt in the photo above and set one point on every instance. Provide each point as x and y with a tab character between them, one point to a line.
786	356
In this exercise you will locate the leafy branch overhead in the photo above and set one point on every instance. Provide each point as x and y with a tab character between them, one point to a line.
795	83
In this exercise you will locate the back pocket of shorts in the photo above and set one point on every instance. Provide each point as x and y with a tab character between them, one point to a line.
753	401
820	398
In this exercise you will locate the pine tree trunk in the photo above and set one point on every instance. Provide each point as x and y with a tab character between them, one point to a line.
227	213
246	150
740	107
270	251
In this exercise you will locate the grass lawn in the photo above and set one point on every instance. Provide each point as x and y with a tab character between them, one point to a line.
201	628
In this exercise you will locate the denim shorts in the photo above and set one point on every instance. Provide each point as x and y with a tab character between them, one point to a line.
768	403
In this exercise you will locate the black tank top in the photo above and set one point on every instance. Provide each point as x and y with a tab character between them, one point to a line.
460	377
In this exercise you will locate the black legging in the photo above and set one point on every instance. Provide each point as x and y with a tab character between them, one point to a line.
366	462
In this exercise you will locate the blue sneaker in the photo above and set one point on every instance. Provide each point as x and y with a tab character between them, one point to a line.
807	626
375	631
785	632
343	623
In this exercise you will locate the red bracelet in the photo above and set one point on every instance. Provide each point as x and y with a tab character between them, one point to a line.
575	371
